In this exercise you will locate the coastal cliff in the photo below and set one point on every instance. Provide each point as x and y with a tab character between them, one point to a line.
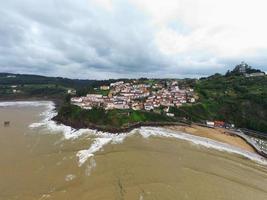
113	121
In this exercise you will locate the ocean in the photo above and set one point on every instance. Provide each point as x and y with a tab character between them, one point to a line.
40	159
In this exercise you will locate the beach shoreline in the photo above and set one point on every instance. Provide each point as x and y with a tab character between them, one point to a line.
216	134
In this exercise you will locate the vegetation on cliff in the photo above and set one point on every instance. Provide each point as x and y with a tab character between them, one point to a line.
103	119
233	98
16	86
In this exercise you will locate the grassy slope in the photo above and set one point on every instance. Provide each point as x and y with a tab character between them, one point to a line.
30	86
234	99
112	118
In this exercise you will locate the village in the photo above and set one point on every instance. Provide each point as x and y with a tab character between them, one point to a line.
156	97
138	96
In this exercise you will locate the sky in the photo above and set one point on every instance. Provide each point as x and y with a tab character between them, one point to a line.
103	39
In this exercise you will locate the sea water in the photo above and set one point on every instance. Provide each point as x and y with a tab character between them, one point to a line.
40	159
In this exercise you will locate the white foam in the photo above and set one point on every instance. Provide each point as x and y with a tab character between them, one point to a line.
146	132
90	166
47	121
47	116
161	132
69	177
68	132
103	139
98	144
45	196
25	103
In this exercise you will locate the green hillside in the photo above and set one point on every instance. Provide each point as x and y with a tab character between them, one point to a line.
32	86
16	86
236	99
107	120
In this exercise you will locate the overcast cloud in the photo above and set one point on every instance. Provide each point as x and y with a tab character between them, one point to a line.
100	39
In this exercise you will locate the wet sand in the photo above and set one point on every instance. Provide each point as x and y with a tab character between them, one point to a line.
40	164
217	134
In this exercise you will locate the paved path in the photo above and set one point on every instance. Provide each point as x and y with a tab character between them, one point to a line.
239	133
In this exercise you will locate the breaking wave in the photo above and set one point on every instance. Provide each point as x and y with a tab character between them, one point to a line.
98	143
26	103
102	139
197	140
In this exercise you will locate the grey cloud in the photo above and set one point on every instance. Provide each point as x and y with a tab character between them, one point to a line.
56	34
81	40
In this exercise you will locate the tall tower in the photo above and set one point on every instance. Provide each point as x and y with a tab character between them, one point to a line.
243	67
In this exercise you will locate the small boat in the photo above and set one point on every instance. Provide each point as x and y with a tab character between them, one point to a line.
6	123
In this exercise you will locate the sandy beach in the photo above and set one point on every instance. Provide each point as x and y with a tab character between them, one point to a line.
152	163
217	134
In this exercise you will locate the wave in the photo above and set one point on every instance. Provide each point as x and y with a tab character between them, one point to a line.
47	122
98	144
197	140
146	132
70	177
102	139
90	166
26	103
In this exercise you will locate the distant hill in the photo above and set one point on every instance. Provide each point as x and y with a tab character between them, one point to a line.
25	86
20	86
15	79
236	97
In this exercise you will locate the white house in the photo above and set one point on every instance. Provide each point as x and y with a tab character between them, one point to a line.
210	123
